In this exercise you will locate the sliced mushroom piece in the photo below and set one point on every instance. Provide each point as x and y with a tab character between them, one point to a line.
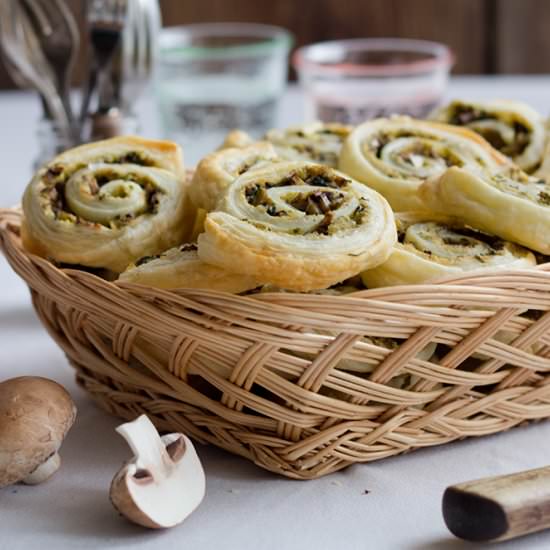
35	415
163	483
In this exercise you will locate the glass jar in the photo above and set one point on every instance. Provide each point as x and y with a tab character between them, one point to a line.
350	81
212	78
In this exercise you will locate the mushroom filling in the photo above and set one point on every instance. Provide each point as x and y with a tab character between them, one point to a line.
449	244
187	247
133	157
511	137
146	259
322	145
325	146
414	154
317	154
246	166
517	183
309	201
318	202
96	194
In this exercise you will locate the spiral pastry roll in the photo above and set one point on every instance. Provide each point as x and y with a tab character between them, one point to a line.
220	169
395	155
338	290
316	142
543	171
512	127
108	203
236	138
507	203
180	267
299	226
432	247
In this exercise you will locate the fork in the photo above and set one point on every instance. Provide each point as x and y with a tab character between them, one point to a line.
22	82
133	62
21	48
106	20
58	36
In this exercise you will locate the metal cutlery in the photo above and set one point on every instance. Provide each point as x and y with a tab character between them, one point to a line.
58	36
15	74
22	50
39	40
148	28
22	82
106	20
133	61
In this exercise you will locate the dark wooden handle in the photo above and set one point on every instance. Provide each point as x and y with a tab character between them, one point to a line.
499	508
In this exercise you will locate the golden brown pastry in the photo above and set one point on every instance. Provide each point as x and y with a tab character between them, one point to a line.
338	290
432	247
180	267
218	170
236	138
198	224
543	171
395	155
299	226
512	127
506	203
108	203
316	142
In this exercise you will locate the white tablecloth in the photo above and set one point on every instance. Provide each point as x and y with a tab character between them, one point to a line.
245	507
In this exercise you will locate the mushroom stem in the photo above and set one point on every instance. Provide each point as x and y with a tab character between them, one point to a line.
44	471
149	450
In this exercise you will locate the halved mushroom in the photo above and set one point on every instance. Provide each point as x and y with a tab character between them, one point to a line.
35	415
163	483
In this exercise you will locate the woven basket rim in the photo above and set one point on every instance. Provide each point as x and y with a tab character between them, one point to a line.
10	219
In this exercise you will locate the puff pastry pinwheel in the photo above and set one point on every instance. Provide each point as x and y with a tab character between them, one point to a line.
299	226
218	170
180	267
338	290
395	155
512	127
315	142
507	203
236	138
543	171
108	203
432	247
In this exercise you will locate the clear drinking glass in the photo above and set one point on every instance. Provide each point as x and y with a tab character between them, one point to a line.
52	140
215	77
353	80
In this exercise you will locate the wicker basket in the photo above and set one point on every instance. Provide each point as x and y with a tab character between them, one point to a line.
257	375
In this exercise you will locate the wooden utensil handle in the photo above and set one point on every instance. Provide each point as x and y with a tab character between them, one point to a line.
499	508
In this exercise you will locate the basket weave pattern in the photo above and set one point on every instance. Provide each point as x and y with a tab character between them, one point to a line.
257	375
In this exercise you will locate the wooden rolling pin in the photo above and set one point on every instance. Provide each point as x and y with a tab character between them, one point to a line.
499	508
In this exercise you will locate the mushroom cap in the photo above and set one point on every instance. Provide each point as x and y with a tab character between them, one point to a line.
35	415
